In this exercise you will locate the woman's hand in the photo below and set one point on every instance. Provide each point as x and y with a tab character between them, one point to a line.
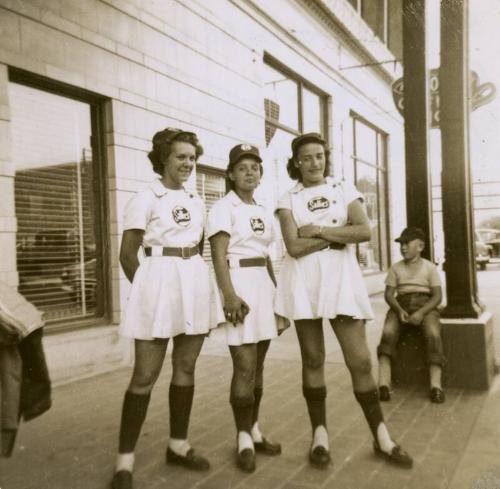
309	231
235	309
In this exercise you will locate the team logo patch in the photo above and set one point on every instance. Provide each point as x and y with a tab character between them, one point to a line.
181	216
257	225
318	204
245	147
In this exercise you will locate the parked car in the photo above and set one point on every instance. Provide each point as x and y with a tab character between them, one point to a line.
491	237
483	251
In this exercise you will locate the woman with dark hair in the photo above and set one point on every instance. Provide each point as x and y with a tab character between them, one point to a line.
320	278
240	231
171	297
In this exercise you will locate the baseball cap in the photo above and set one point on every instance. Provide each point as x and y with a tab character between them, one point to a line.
241	150
310	137
169	134
409	234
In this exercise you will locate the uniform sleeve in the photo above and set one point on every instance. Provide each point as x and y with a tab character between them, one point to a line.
137	211
219	219
351	193
284	202
391	280
434	278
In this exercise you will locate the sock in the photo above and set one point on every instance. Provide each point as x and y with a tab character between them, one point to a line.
245	441
320	437
257	396
371	408
134	411
125	461
256	434
180	399
242	411
435	375
315	398
180	447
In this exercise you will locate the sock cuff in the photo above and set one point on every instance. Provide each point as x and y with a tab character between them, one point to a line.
181	389
366	397
314	393
241	401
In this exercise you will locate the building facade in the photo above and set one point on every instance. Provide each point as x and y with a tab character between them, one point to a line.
85	84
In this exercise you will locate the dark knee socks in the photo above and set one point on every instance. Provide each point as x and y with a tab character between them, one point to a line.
315	398
257	395
134	411
243	408
371	408
180	398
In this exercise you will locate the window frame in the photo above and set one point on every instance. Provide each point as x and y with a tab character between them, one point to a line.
302	83
382	170
100	187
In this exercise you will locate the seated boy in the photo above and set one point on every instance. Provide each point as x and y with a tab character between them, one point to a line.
413	292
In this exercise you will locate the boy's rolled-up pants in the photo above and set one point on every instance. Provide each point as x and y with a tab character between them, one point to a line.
431	327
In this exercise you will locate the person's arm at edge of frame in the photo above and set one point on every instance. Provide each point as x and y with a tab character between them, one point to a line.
297	246
390	298
131	242
434	301
232	302
357	231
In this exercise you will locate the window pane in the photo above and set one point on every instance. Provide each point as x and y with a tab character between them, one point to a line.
210	187
366	182
312	119
366	143
281	94
373	13
54	199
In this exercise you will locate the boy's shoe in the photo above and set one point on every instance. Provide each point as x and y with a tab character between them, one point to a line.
437	395
245	460
267	447
384	394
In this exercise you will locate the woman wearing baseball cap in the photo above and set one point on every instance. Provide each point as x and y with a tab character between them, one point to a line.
321	218
240	231
171	297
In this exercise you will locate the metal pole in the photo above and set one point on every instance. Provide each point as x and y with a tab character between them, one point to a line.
416	115
458	218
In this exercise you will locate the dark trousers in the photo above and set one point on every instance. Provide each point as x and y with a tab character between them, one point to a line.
430	325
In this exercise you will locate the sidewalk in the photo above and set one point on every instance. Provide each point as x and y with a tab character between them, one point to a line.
455	445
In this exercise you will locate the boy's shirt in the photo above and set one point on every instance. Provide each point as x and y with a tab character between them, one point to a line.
415	277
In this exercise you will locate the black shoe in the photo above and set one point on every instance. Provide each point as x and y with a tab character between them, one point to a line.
245	460
189	461
319	457
384	394
397	456
267	447
122	480
437	395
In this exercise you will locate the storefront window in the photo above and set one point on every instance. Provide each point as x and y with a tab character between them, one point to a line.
56	203
370	177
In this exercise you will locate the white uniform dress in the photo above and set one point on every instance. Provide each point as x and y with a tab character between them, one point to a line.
251	231
169	295
326	283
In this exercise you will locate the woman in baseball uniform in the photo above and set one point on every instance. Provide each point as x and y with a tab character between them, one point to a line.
171	297
240	231
321	218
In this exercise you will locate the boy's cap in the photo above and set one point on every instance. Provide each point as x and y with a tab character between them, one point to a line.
241	150
409	234
310	137
169	134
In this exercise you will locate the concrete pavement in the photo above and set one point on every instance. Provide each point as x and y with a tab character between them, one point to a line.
455	445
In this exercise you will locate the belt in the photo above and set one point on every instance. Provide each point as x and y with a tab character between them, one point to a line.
248	262
184	253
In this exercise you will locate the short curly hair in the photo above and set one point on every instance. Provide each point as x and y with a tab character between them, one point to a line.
162	146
